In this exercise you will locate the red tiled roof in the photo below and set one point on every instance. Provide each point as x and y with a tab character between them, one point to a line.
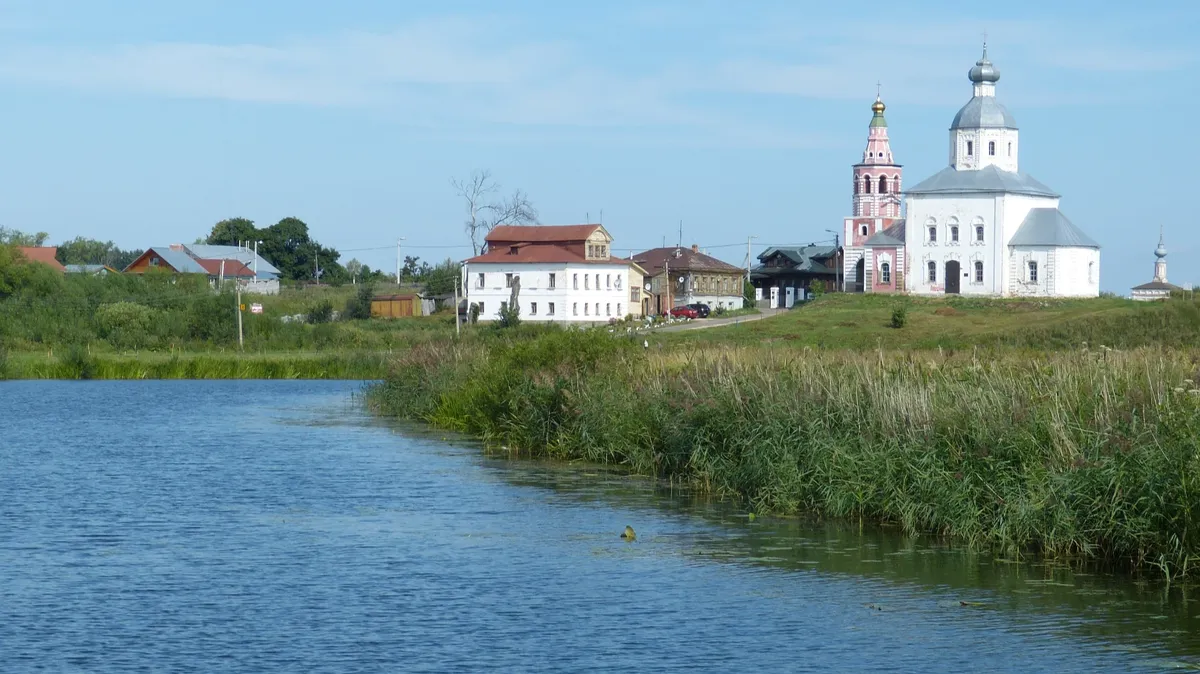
541	233
529	253
688	260
543	253
233	268
42	254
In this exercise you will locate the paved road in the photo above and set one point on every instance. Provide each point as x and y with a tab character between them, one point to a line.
718	322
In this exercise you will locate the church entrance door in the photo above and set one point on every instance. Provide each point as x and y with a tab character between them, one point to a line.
860	276
953	277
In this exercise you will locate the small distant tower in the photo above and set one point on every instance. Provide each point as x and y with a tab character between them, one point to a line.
1160	264
877	178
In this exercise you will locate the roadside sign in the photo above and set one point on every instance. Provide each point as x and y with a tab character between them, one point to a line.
241	307
256	308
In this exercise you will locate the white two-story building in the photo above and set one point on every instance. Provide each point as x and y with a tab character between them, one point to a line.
565	273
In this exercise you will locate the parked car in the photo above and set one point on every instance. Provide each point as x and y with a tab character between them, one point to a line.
685	312
701	309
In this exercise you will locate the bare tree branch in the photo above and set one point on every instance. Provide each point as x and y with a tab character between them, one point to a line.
483	215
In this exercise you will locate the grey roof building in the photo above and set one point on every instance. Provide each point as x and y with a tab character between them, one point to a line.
1049	227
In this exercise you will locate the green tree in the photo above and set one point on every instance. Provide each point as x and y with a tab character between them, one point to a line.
359	306
81	250
440	280
15	237
233	231
288	246
748	295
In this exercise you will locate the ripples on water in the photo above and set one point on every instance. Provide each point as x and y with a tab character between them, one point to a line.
250	526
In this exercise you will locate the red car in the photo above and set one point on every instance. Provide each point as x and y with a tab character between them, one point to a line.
685	312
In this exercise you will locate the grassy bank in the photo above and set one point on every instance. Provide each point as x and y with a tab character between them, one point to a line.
77	363
1074	455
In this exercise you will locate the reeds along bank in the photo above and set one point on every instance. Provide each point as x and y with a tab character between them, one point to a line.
1071	455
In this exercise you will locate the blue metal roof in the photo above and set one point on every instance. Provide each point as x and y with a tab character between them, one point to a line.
1049	227
989	179
243	255
179	261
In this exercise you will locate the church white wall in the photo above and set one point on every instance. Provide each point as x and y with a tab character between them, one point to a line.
1061	271
1077	272
944	212
1007	148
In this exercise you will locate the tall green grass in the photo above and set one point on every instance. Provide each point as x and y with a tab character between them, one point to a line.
1075	455
78	363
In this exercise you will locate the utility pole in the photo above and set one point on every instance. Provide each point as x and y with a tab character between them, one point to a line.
458	286
398	264
840	277
241	345
748	256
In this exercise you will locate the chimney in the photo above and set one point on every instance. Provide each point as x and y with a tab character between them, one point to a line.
176	246
695	248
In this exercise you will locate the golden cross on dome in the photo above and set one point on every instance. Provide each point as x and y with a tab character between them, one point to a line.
878	89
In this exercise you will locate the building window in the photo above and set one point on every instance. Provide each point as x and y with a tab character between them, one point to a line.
503	306
608	281
856	187
1033	271
866	184
597	287
991	148
864	230
551	284
933	272
575	281
619	309
970	148
883	184
479	281
587	282
979	233
153	262
533	308
1010	149
508	279
954	233
481	311
575	308
597	308
932	234
1091	272
608	310
885	273
978	272
586	308
550	308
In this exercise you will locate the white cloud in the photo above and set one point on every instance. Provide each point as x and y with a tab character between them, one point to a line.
462	73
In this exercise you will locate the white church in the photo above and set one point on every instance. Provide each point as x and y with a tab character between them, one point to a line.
980	226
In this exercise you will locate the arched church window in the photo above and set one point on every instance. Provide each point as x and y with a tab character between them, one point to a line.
978	272
970	148
932	272
954	233
866	184
856	187
932	234
883	184
864	230
885	273
979	233
1091	272
991	148
1010	149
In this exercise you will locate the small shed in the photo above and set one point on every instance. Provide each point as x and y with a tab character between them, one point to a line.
400	305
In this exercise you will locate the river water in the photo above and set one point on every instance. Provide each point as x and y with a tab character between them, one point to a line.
273	526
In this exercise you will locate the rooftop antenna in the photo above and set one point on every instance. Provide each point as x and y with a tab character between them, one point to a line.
602	216
680	244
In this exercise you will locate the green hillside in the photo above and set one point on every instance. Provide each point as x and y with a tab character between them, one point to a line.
865	321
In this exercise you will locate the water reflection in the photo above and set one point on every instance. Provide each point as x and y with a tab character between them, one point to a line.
1115	611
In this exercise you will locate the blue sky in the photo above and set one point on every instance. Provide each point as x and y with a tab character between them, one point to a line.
146	121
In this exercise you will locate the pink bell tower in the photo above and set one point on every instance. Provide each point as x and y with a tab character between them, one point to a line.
877	178
876	204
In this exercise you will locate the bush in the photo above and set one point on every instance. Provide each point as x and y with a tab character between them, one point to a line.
78	363
323	312
212	318
510	316
474	313
816	288
358	308
126	325
899	316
